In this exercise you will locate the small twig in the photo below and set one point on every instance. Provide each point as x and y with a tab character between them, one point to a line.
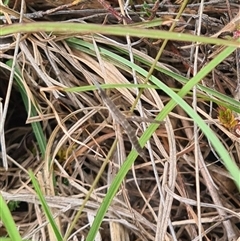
154	10
121	119
106	6
230	27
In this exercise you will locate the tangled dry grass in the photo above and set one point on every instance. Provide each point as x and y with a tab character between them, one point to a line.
80	131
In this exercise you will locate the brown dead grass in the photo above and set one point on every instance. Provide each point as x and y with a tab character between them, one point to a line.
79	151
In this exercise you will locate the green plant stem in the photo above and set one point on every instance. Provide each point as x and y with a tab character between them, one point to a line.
8	221
64	28
96	180
153	66
176	99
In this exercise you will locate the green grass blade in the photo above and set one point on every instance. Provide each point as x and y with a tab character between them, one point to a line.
119	30
46	209
176	99
8	221
36	126
89	49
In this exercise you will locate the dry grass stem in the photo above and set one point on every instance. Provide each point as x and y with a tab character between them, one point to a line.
180	190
